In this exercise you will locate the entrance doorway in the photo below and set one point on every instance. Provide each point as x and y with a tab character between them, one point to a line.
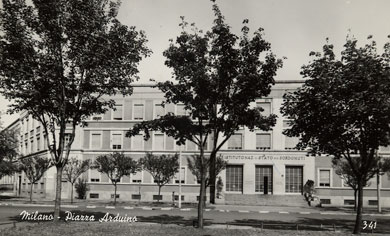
294	179
263	181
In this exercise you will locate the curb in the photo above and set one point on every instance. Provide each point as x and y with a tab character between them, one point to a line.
190	209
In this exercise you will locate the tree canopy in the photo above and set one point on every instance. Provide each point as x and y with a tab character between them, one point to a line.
218	75
59	58
343	108
195	168
161	167
73	169
34	168
115	166
8	152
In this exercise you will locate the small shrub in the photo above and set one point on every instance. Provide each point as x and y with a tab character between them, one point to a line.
219	187
308	190
81	188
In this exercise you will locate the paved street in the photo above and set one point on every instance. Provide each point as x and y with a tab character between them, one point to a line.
168	215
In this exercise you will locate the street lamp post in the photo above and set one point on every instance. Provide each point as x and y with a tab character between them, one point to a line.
179	177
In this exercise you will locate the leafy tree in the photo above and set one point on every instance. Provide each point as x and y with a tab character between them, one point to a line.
343	108
34	168
194	167
218	75
57	61
73	169
8	152
162	168
81	188
342	168
115	166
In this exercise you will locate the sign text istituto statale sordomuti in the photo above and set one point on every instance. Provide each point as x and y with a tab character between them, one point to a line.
264	157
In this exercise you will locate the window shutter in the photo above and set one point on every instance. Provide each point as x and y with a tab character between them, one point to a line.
263	141
266	107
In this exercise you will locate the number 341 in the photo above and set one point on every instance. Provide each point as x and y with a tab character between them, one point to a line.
369	224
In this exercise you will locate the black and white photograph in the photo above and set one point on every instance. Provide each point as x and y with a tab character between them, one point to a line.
194	117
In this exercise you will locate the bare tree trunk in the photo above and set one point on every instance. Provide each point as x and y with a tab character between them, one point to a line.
57	204
355	198
159	192
71	193
212	175
378	192
115	194
359	213
202	191
31	192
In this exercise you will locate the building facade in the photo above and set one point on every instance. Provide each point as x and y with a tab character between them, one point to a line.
260	163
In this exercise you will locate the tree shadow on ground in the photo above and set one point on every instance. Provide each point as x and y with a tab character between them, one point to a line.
170	219
313	224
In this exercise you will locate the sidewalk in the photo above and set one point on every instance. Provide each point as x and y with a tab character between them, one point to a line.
191	206
301	210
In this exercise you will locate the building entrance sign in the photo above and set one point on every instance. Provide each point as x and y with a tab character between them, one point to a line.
264	157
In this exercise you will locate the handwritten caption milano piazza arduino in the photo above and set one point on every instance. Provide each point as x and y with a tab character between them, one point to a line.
264	157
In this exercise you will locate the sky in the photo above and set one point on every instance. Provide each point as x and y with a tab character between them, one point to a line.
293	27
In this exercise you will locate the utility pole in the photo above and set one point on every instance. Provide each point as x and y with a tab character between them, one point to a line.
378	191
179	177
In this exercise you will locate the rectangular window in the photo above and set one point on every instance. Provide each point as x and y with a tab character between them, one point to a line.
234	178
180	110
118	112
94	175
113	195
371	183
44	141
372	202
290	143
235	141
138	111
32	145
93	195
138	142
97	117
349	202
177	197
263	179
38	143
325	201
191	146
116	141
182	176
67	138
266	106
324	178
294	179
158	110
286	123
159	142
263	141
96	141
136	196
137	177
